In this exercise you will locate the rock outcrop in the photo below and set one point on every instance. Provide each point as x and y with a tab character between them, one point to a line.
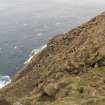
63	69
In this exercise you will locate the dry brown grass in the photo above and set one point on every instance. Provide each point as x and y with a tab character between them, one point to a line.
68	64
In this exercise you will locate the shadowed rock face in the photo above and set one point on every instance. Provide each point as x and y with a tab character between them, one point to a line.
4	102
71	53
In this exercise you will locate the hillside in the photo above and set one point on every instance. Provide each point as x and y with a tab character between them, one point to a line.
69	71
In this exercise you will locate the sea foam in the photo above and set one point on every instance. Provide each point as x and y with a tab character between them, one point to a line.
4	80
34	52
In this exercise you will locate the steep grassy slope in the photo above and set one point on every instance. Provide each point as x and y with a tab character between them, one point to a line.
70	71
84	89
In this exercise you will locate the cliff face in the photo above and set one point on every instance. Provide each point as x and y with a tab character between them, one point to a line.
69	71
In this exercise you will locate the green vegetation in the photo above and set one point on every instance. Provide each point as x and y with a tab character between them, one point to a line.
85	89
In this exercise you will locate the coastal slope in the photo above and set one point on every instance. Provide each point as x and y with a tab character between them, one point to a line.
69	71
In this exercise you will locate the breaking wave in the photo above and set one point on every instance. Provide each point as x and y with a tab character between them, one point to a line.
4	80
35	51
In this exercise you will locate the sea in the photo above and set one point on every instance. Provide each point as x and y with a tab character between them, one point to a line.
27	25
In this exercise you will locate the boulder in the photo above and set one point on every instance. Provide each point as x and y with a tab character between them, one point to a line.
50	90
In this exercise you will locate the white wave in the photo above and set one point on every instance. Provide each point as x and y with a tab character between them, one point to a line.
34	52
39	34
4	80
15	47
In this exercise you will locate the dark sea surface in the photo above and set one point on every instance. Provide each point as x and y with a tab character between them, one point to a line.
28	24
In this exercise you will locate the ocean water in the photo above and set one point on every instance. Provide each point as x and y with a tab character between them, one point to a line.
28	24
